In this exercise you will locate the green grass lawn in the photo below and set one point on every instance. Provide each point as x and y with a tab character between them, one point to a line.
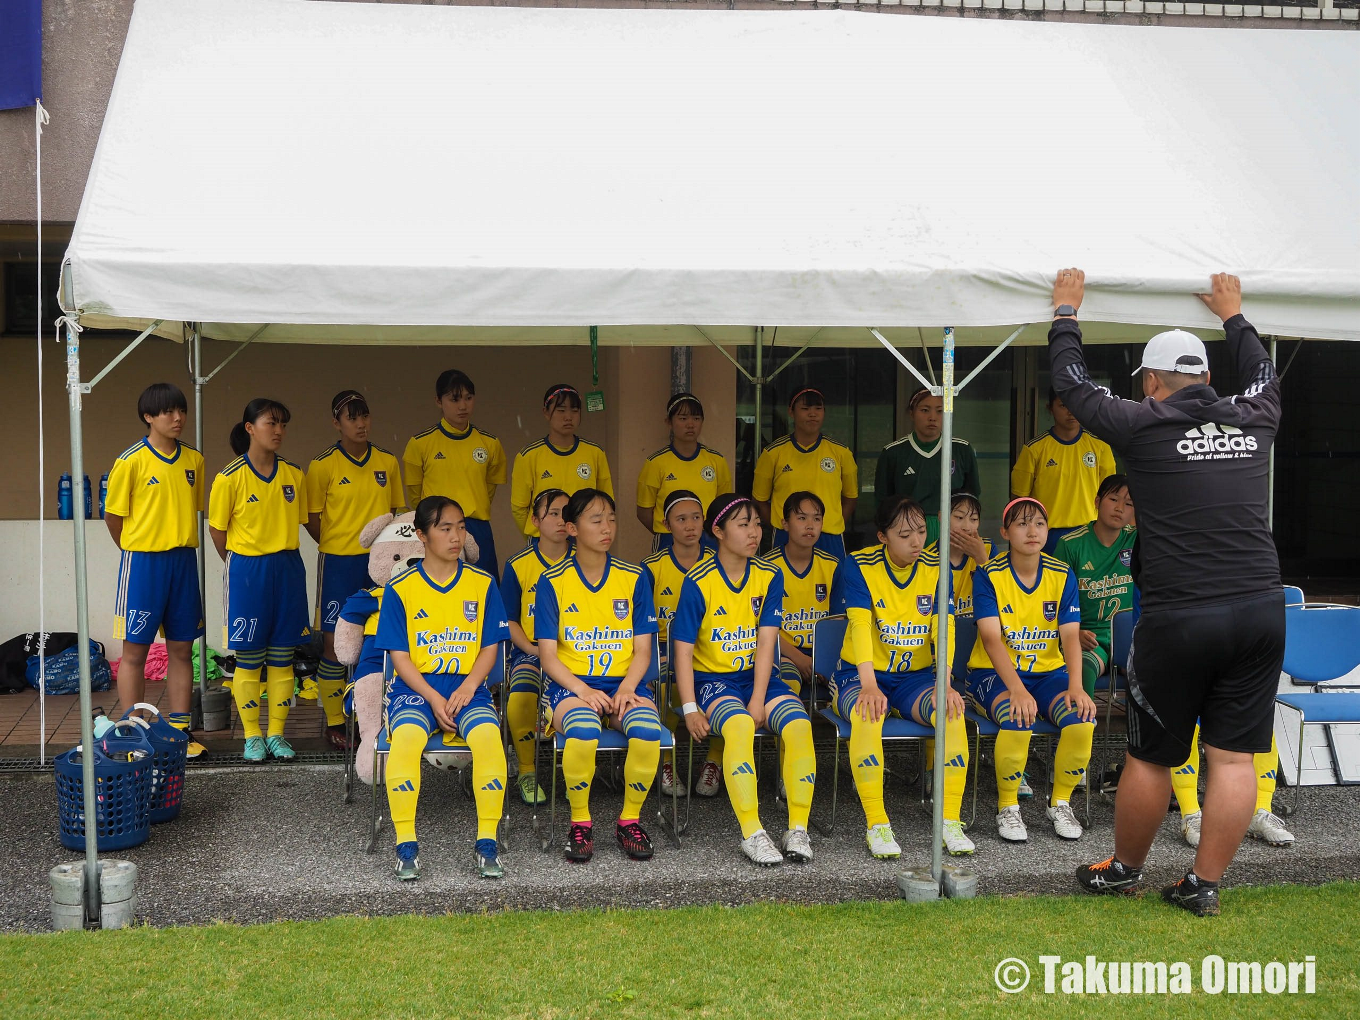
851	960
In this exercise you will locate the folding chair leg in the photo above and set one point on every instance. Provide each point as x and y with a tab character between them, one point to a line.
550	839
828	829
350	757
977	772
1298	768
689	782
374	819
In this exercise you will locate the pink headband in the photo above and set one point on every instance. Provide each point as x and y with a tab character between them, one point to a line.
723	512
806	389
1023	499
559	390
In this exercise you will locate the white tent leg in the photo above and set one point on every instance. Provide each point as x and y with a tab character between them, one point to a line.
197	363
943	660
73	389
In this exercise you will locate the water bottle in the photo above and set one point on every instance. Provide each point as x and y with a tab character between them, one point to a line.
64	509
89	499
103	493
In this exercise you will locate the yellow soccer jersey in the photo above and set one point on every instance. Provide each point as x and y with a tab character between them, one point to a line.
595	626
465	466
963	578
158	497
723	620
826	468
705	474
260	515
1030	618
542	466
807	596
519	585
902	604
1063	477
667	578
443	627
349	493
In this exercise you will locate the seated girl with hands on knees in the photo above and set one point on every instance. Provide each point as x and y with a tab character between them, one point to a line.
595	624
519	589
440	623
1026	664
889	593
684	517
724	641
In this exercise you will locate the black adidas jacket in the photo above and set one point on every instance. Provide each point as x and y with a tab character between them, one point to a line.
1198	467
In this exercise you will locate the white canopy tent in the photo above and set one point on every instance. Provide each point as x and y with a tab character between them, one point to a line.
288	171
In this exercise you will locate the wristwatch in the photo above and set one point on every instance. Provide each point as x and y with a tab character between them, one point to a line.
1064	310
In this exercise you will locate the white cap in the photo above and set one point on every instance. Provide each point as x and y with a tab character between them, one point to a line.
1175	351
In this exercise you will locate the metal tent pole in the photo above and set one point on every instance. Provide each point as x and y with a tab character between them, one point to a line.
1270	469
943	659
759	381
73	390
202	525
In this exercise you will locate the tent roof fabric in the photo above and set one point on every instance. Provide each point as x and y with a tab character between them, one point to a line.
357	172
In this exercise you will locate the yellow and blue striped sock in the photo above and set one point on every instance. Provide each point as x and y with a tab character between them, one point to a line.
245	690
1071	758
1267	768
330	691
799	768
1012	748
280	684
489	774
521	714
642	727
581	728
738	731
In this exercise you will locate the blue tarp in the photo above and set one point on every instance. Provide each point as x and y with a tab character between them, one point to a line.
20	53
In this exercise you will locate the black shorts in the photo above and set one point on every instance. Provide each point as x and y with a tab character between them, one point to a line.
1216	665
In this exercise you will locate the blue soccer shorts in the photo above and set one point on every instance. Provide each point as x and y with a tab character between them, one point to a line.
337	578
158	590
264	600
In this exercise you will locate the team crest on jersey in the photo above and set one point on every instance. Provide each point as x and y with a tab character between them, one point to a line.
1126	556
819	592
924	604
480	455
1088	458
621	608
583	470
189	475
756	600
380	477
708	474
470	610
1050	611
828	464
289	492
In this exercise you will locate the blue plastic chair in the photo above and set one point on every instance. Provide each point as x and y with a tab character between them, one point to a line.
613	741
1293	596
1322	643
828	635
382	745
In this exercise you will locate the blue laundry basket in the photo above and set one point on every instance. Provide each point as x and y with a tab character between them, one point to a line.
122	792
170	748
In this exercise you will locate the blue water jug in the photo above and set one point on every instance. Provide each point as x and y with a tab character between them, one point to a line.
64	498
89	499
103	493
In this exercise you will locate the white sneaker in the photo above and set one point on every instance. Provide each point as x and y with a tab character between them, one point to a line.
1065	823
710	780
1010	826
1081	781
881	842
1269	829
1190	827
797	846
954	839
1026	791
760	849
668	787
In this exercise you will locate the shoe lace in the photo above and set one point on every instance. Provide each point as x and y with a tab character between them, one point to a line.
711	771
580	835
1104	865
633	833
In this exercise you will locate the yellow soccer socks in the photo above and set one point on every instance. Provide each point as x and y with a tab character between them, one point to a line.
642	727
1185	780
581	728
489	774
738	731
245	690
1012	748
403	779
790	720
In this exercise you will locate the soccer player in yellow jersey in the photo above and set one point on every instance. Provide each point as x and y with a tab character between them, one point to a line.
560	460
1027	665
889	595
257	507
1062	470
348	485
807	461
458	460
685	464
808	573
595	624
519	592
684	524
155	493
967	549
724	642
440	623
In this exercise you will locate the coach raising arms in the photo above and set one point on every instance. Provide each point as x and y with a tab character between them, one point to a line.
1210	642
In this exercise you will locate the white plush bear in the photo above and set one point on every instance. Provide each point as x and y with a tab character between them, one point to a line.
392	546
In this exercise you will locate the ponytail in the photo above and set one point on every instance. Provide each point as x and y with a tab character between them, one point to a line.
255	410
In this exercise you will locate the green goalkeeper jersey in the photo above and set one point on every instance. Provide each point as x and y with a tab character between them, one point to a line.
1103	576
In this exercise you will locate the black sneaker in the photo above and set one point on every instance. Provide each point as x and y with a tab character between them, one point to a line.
1191	894
635	842
1110	876
580	843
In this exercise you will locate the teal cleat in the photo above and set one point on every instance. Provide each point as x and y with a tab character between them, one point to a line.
255	749
280	749
488	859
